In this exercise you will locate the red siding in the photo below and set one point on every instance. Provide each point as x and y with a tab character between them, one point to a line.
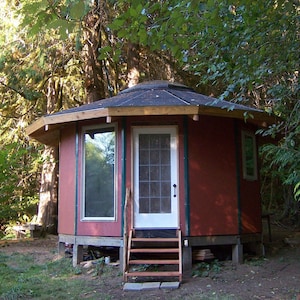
212	175
67	162
250	207
212	180
250	202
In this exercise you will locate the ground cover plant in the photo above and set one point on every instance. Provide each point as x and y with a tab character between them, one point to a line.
33	270
22	278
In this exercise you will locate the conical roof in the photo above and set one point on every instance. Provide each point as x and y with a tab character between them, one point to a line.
148	98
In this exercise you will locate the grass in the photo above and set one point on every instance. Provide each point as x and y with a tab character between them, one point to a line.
21	278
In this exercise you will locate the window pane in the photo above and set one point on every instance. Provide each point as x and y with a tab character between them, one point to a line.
154	189
144	205
144	141
154	157
165	173
249	156
144	189
144	157
166	205
99	172
165	157
155	205
144	173
154	173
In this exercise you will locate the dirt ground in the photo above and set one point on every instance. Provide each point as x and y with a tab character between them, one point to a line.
276	276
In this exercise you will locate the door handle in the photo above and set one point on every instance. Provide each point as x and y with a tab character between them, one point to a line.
174	186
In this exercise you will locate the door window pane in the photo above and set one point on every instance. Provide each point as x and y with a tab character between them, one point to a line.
144	205
155	205
155	173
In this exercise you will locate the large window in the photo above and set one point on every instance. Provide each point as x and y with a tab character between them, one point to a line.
249	156
99	173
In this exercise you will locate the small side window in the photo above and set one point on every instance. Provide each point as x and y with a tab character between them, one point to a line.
249	156
99	173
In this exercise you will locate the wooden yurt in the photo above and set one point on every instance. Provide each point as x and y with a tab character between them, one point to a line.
157	169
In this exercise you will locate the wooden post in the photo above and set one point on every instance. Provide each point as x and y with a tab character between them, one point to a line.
187	259
125	233
77	254
61	249
237	252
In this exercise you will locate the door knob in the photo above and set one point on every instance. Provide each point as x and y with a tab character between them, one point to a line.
174	186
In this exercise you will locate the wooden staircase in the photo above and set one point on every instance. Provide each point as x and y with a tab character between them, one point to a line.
154	257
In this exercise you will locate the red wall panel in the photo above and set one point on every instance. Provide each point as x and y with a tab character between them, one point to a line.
250	207
250	199
67	162
212	177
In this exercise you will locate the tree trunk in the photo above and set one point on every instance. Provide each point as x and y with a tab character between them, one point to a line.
47	211
94	76
95	88
133	65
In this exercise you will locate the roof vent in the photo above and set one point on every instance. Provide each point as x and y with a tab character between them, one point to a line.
156	85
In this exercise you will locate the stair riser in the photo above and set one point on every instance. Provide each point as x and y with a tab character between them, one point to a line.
153	262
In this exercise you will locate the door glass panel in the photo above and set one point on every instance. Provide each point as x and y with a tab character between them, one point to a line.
144	205
154	173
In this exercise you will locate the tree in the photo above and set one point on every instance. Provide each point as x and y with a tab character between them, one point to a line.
36	76
19	160
246	51
69	52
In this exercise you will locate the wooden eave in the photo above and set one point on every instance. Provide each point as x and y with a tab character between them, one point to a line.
46	129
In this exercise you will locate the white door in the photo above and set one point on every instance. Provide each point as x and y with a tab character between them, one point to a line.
155	164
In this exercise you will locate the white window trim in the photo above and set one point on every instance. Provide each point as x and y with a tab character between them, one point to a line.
245	175
83	217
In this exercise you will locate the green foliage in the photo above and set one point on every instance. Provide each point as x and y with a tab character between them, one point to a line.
243	51
207	269
28	63
284	157
21	277
255	261
241	48
17	183
246	51
297	191
64	16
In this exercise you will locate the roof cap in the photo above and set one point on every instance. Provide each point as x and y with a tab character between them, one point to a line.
156	85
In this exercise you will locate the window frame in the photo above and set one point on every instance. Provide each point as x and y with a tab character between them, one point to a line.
246	174
83	181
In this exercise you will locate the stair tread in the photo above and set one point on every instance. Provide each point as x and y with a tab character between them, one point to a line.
153	261
154	250
138	239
